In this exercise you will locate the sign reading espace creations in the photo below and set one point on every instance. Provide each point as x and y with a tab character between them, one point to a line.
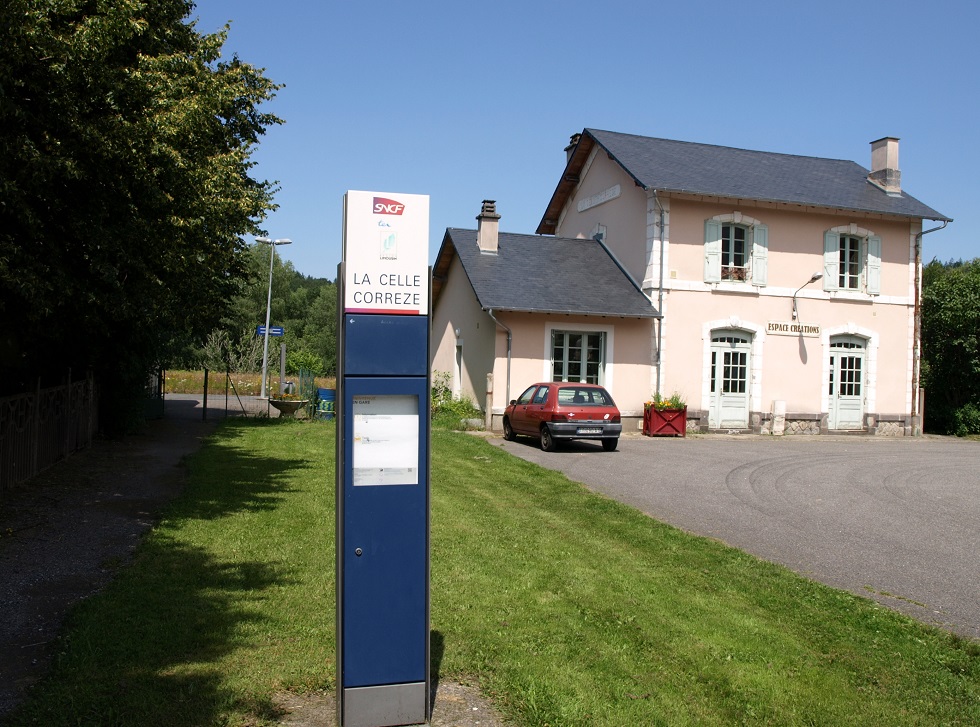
386	250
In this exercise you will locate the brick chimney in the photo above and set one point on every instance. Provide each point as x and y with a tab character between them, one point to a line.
572	143
884	166
488	227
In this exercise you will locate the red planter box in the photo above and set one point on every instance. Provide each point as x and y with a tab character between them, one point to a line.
664	422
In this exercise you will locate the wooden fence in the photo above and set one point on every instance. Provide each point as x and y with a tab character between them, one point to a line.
39	429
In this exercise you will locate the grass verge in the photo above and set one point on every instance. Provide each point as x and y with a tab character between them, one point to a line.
569	609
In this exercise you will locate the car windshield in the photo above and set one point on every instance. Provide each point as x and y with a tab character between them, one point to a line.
582	396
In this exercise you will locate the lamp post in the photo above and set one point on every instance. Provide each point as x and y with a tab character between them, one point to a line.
813	278
268	305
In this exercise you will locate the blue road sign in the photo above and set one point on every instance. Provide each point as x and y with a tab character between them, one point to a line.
273	331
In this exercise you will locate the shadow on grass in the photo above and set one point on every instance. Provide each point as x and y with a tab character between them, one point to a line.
231	479
171	641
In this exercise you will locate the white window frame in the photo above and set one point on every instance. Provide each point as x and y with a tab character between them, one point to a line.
606	367
869	259
756	253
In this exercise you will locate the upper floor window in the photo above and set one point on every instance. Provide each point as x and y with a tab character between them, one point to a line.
736	249
852	260
734	261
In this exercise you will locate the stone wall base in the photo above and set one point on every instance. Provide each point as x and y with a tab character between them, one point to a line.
794	424
807	423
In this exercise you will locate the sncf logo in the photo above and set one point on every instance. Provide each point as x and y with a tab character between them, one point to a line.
384	206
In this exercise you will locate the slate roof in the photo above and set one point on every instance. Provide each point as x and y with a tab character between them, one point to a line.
543	275
718	171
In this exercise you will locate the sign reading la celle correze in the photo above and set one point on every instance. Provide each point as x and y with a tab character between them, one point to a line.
386	253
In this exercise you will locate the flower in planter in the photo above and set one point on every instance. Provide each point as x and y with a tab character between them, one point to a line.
288	397
673	402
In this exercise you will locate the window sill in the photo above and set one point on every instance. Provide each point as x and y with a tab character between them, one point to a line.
851	295
729	286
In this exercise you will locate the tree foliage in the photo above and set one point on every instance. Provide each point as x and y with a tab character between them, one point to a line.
304	306
125	187
951	345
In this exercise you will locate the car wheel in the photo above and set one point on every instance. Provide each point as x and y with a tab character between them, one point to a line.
609	445
508	431
547	441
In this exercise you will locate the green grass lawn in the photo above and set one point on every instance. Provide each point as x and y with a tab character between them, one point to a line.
566	607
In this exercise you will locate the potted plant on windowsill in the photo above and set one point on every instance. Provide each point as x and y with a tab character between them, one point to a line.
665	417
288	404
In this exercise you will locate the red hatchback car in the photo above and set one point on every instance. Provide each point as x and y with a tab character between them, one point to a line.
559	410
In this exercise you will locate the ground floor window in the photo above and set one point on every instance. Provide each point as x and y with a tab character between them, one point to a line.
578	356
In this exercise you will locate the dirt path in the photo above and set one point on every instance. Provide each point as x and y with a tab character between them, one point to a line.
64	535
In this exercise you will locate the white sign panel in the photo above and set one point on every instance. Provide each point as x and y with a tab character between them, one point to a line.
793	328
597	199
386	251
386	440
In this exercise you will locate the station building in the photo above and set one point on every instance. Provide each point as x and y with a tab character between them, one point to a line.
772	292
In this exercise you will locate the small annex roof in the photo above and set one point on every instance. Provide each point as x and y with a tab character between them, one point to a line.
534	274
684	167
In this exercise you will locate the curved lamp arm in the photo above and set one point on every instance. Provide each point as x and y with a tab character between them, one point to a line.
813	278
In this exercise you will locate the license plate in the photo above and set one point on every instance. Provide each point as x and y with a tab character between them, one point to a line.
590	430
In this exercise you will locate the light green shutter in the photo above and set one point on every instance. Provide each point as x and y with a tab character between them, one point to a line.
712	251
831	260
874	265
760	255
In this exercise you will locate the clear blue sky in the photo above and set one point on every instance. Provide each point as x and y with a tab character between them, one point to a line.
470	101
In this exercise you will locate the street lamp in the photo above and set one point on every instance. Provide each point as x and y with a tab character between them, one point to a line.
813	278
268	305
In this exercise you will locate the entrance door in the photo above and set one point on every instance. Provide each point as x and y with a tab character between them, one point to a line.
730	360
846	385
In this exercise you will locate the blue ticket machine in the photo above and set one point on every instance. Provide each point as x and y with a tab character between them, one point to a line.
382	524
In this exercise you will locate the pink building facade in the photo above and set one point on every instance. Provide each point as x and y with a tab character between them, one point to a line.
783	290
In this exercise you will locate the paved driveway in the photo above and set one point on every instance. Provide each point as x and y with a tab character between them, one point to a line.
897	520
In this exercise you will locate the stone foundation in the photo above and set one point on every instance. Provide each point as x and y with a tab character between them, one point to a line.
795	424
805	424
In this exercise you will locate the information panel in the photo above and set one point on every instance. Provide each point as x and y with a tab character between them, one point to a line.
383	463
386	440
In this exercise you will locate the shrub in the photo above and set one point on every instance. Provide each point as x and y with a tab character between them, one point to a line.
967	420
449	410
242	355
304	359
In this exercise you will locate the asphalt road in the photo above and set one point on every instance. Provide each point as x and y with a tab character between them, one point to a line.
896	520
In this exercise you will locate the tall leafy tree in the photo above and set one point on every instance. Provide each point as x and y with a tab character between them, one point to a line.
305	306
951	345
125	185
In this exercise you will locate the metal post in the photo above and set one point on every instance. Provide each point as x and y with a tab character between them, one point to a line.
268	306
282	367
268	312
